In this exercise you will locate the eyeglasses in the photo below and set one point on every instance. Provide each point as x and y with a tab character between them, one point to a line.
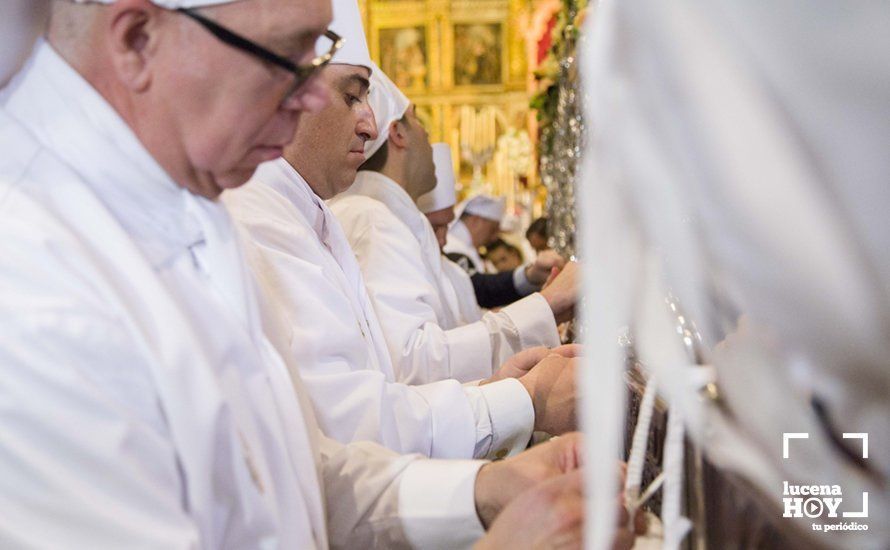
301	73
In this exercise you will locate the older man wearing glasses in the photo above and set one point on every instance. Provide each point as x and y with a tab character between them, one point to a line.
143	402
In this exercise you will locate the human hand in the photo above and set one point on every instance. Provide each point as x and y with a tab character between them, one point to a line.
556	508
544	483
539	272
562	293
552	388
626	532
499	483
520	363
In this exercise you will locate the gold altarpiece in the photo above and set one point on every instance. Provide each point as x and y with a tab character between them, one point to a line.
467	66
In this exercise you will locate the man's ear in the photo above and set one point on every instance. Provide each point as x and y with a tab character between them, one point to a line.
134	34
398	135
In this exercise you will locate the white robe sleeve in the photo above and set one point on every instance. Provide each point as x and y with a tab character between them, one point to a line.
86	463
84	455
377	499
353	398
422	350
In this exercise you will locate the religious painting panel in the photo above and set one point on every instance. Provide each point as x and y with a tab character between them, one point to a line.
403	56
478	54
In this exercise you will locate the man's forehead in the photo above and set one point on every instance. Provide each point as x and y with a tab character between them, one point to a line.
343	75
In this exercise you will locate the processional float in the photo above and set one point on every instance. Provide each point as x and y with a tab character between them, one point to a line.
732	209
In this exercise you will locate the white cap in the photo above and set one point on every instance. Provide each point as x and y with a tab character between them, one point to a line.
348	24
25	20
388	103
443	194
484	206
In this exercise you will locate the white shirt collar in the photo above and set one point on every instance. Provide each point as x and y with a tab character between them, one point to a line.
280	176
76	124
384	189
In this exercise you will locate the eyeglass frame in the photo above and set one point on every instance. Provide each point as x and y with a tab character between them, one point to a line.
301	73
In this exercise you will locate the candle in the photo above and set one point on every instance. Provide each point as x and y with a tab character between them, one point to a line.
471	130
463	127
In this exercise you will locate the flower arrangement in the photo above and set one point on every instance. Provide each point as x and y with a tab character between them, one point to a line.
517	148
563	35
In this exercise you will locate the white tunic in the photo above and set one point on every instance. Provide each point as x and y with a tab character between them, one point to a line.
397	251
305	264
459	241
468	310
143	403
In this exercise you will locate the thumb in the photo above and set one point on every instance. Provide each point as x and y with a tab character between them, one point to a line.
536	354
568	350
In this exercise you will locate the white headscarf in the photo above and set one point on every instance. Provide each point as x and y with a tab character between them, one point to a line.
444	194
348	24
24	21
389	105
484	206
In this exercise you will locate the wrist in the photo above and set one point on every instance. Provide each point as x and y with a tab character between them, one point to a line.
488	494
529	385
551	300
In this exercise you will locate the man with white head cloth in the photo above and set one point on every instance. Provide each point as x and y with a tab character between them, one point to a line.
402	264
488	290
304	261
436	204
478	223
144	400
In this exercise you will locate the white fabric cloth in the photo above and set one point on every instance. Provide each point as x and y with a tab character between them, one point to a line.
304	263
389	105
741	149
468	310
129	316
347	23
459	241
21	22
484	206
417	307
444	194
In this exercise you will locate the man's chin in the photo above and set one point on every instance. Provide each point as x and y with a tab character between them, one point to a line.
346	182
235	178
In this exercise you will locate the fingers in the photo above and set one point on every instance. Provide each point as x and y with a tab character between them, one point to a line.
519	364
641	522
569	483
622	475
549	258
623	517
624	537
571	448
566	511
554	271
568	350
624	540
535	355
572	539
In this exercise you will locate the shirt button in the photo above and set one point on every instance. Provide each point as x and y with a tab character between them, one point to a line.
501	454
